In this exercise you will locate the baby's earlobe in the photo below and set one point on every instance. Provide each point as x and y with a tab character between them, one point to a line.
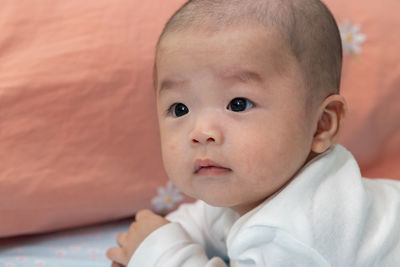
330	123
321	143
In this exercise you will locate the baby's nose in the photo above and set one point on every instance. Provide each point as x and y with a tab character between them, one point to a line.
206	134
201	140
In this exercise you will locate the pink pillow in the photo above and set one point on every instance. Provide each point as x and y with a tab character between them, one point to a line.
371	83
78	132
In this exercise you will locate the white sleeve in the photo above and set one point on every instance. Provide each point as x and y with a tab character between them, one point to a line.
206	225
171	246
193	219
261	246
193	238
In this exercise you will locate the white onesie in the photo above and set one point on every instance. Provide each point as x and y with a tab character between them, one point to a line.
328	215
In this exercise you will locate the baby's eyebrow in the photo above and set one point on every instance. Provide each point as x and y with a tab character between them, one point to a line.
171	83
241	75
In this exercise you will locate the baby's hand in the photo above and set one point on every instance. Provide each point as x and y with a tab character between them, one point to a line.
146	223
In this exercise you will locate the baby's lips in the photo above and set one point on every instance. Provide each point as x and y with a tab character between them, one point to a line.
203	163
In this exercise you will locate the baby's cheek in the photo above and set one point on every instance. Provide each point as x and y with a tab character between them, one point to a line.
168	145
252	157
173	157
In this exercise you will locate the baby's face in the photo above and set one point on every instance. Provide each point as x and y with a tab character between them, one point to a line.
232	115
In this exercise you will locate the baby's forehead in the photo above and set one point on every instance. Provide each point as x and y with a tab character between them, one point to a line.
238	46
238	55
270	38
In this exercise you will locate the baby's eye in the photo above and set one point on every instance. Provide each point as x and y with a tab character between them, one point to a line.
240	104
178	110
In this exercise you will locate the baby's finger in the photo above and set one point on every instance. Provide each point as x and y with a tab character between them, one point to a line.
116	254
143	214
121	238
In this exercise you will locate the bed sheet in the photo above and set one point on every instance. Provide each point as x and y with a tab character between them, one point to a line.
82	247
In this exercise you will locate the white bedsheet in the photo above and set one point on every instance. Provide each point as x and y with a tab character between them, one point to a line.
83	247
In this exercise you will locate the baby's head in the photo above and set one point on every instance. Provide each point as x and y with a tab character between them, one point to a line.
247	93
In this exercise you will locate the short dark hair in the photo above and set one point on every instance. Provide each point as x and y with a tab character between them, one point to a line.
307	26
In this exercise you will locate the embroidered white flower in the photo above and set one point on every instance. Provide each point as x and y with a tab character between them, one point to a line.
352	38
166	199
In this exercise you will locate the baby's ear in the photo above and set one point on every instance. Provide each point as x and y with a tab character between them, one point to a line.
332	113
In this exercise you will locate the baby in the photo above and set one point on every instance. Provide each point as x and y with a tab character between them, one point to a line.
249	110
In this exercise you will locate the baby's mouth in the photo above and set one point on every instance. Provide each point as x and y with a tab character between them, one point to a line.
208	167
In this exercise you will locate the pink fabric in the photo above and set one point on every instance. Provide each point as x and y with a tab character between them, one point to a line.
78	131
